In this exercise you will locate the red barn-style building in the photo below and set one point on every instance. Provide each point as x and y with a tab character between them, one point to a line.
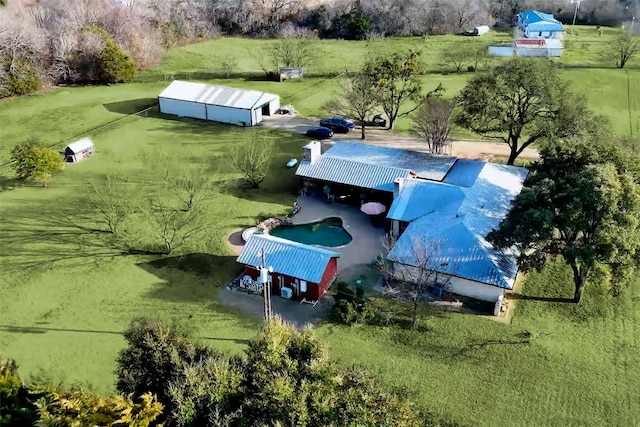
307	271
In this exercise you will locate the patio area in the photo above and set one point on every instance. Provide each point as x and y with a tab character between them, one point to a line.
367	239
355	262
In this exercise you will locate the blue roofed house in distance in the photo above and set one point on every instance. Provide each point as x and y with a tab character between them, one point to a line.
436	203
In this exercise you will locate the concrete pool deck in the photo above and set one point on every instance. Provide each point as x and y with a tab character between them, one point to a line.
367	239
356	256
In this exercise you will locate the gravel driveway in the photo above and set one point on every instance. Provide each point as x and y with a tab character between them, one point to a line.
481	150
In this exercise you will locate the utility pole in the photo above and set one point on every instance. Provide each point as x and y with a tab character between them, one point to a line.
266	286
575	12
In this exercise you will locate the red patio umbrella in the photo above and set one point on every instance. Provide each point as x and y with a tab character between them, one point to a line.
373	208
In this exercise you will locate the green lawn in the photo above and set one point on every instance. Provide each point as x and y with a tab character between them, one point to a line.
66	294
580	368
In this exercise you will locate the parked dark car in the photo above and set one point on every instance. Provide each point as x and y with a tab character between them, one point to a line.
377	121
319	133
337	124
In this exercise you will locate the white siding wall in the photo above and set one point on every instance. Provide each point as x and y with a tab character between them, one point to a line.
182	108
274	106
545	34
257	115
457	285
229	115
475	290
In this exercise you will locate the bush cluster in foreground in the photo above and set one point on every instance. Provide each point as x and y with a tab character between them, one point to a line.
286	378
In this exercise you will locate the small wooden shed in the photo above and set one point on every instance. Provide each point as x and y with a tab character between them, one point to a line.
288	73
79	150
481	30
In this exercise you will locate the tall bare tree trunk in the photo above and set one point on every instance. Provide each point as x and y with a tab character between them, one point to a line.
362	131
414	320
579	280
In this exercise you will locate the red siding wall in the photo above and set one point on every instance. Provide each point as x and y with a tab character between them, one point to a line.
314	290
328	277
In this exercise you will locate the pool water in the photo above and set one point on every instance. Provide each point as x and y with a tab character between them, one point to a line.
328	232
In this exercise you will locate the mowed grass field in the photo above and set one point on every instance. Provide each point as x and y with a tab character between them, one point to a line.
66	294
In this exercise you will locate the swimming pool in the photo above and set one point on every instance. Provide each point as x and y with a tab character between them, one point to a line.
327	232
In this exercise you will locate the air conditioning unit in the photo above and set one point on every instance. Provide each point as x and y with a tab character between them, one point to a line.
286	293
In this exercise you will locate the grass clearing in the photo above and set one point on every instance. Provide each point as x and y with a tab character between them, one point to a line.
579	369
67	291
66	295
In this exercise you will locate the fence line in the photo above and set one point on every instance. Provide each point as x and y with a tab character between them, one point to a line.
92	132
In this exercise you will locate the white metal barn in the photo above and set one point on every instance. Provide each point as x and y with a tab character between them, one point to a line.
217	103
79	150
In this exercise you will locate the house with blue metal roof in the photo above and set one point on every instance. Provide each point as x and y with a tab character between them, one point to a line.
539	25
440	209
442	227
350	170
303	271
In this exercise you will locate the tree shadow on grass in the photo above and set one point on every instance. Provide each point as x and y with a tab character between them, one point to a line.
275	190
540	298
131	106
7	183
45	329
33	235
195	278
200	264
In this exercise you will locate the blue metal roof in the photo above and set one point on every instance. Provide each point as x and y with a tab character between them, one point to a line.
457	223
464	172
286	257
538	21
493	191
454	247
532	16
357	174
424	165
418	198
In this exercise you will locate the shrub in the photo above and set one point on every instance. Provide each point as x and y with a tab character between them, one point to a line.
156	356
35	162
83	408
117	66
16	402
20	79
352	308
114	64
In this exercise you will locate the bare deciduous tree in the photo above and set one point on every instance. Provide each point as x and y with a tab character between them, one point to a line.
624	48
228	65
111	201
412	283
174	226
458	57
357	99
299	52
191	188
252	159
432	122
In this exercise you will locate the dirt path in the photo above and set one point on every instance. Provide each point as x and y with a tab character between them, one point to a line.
482	150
